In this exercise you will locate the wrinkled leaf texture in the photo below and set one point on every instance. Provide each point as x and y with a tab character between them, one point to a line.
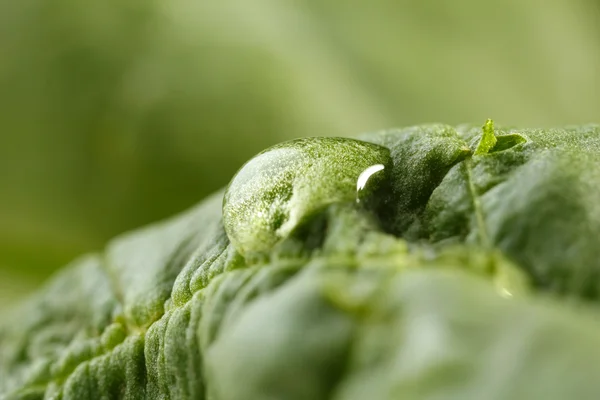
412	300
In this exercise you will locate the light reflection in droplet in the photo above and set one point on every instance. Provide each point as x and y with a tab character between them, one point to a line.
504	292
363	178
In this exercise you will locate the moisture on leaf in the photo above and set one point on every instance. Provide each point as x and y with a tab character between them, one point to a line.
278	190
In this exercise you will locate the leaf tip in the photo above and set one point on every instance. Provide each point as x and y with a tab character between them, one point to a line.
488	138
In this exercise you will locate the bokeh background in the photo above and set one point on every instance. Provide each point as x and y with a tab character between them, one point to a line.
116	113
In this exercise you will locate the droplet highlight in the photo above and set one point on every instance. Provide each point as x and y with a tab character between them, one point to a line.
363	178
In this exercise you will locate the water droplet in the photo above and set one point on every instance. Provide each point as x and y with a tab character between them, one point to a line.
283	187
363	178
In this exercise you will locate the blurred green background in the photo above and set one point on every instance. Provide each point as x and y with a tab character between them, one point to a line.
117	113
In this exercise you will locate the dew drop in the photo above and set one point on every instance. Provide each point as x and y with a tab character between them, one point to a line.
284	187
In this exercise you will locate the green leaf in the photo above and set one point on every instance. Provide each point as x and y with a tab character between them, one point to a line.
419	335
457	275
488	139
